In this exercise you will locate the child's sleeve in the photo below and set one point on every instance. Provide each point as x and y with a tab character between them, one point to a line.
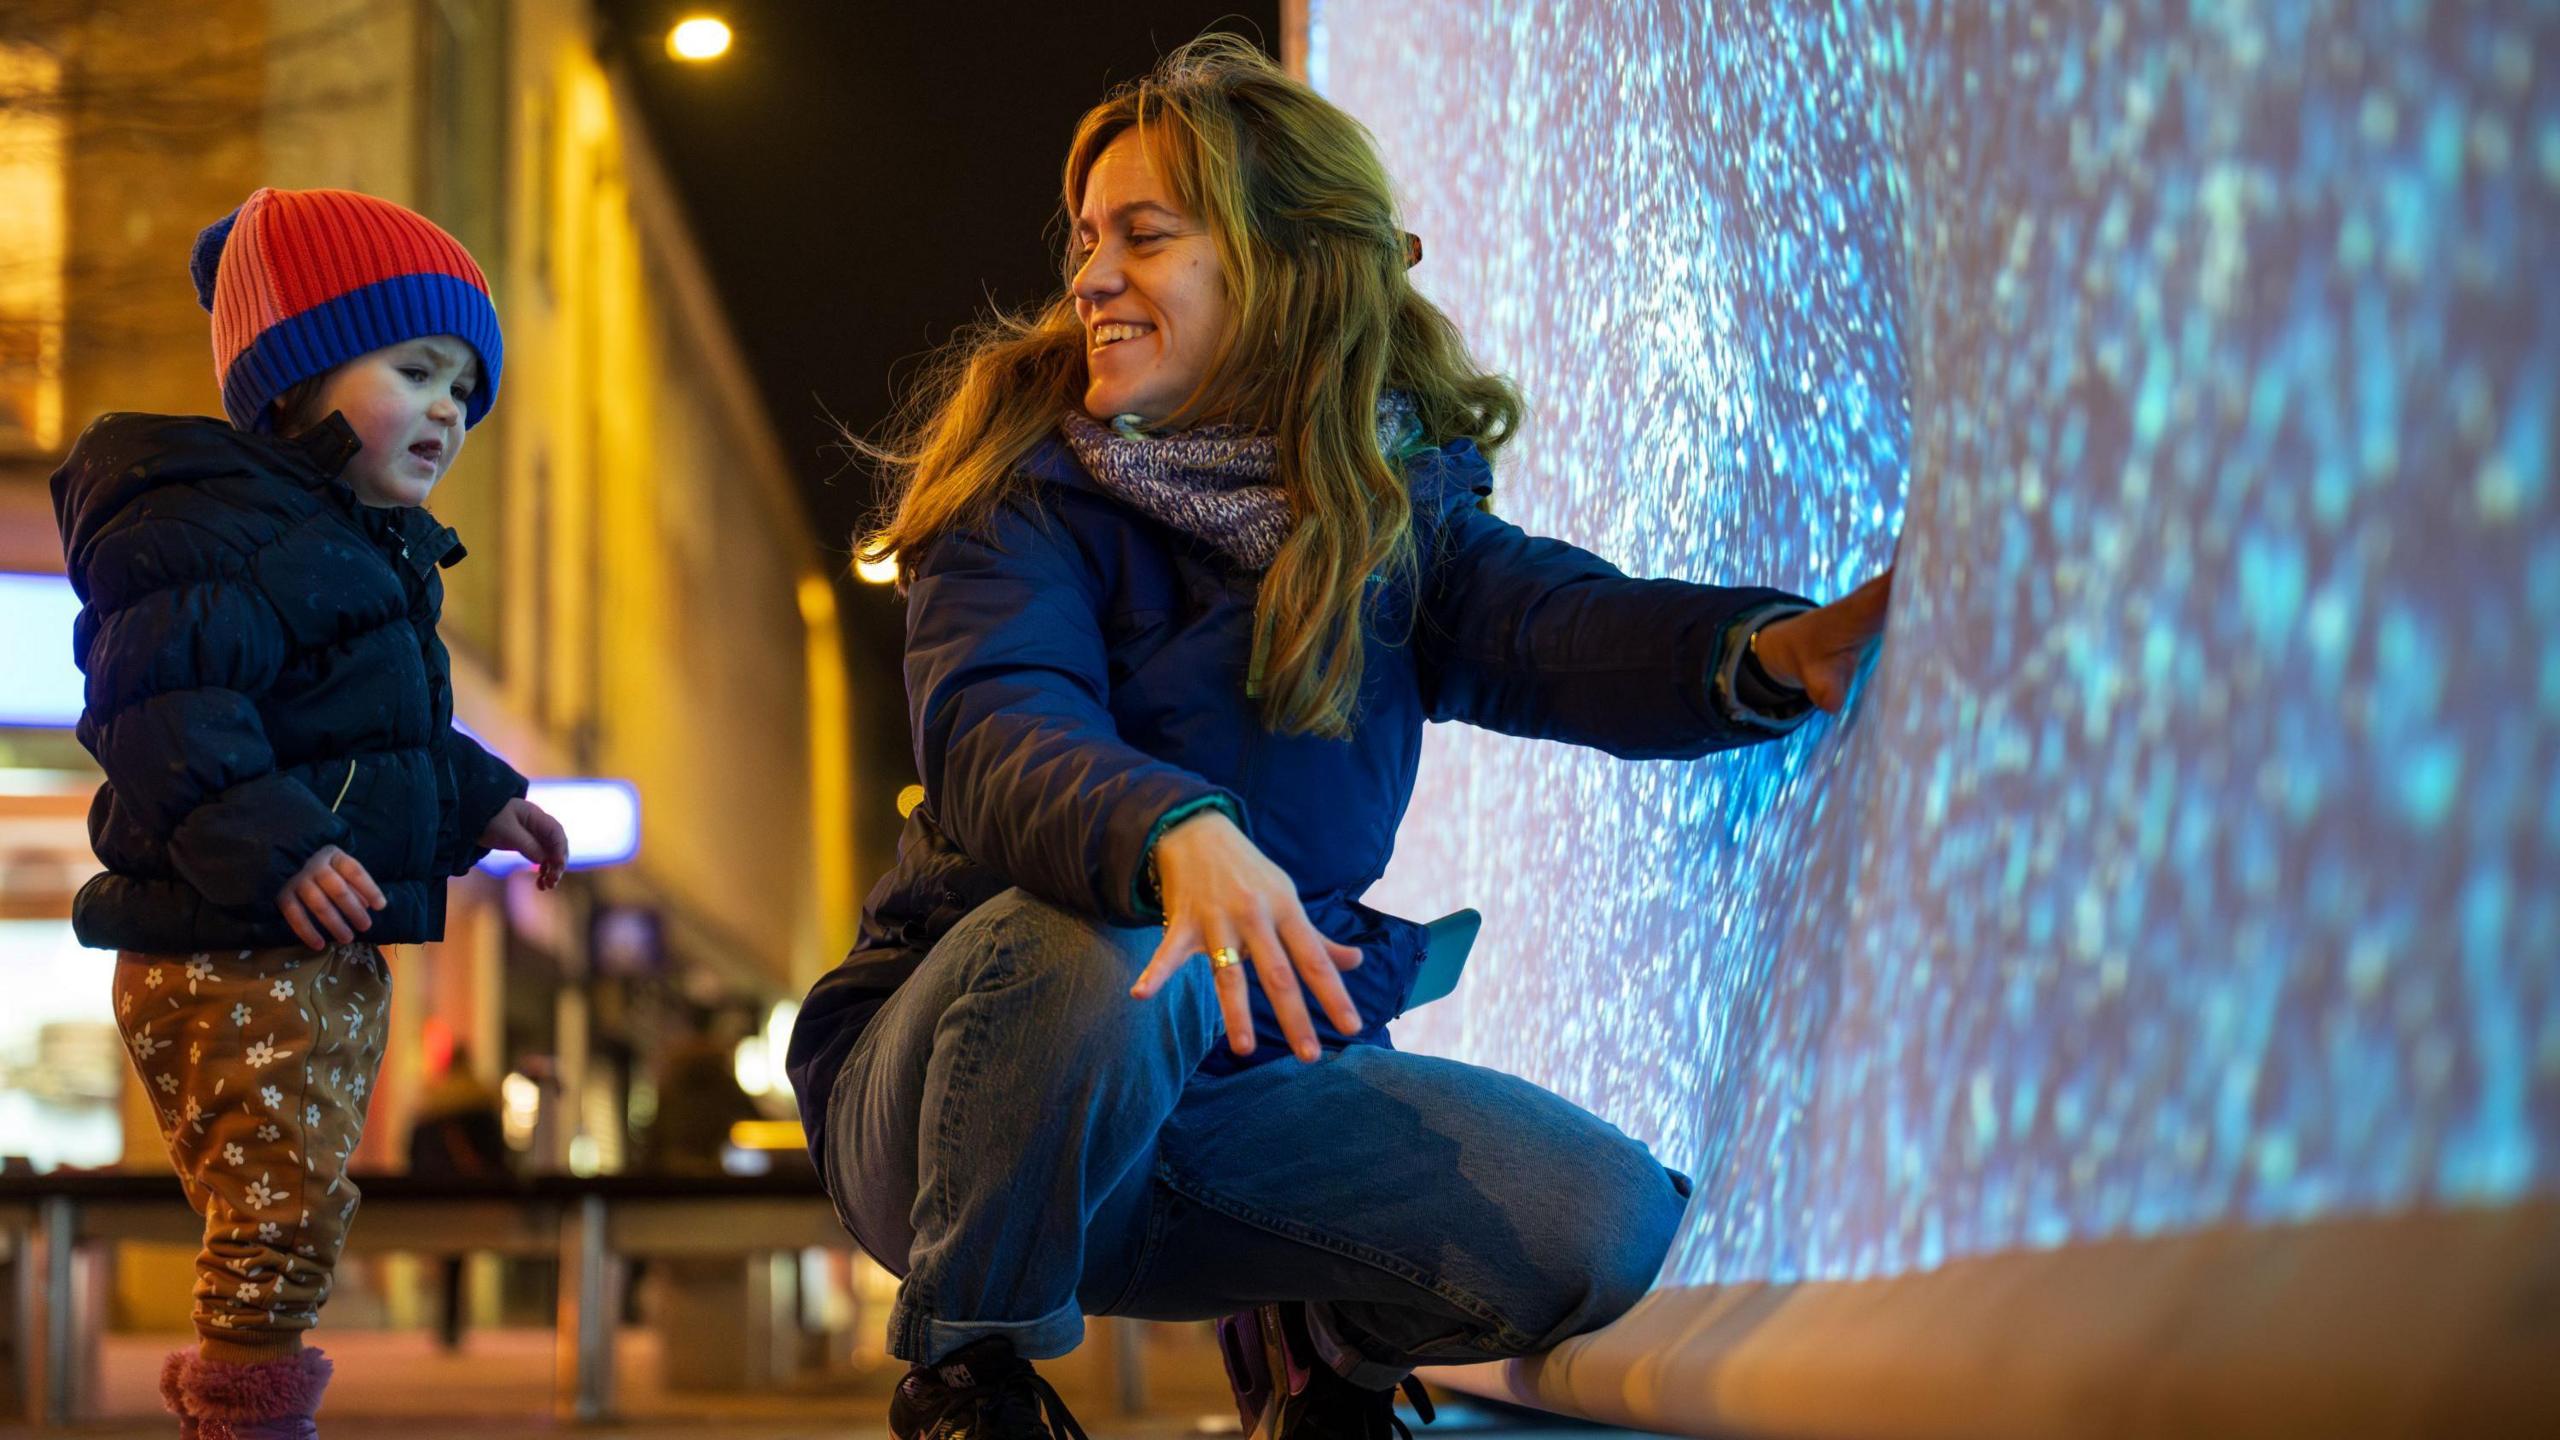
483	784
174	674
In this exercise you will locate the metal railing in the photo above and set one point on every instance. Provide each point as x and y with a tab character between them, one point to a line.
49	1330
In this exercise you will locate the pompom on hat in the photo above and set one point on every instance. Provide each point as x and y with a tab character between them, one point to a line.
300	282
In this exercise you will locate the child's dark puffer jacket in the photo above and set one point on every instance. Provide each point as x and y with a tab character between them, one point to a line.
264	678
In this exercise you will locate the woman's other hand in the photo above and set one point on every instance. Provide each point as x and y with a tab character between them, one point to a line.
1221	892
1818	651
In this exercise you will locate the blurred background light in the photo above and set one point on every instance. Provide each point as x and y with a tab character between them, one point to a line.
39	683
601	816
697	38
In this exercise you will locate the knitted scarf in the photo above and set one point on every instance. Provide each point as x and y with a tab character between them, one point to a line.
1216	482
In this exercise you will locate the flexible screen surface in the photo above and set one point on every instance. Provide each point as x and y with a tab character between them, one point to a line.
2192	854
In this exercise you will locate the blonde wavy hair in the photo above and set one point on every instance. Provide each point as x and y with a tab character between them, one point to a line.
1322	320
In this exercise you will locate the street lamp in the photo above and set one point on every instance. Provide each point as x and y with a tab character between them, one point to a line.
698	38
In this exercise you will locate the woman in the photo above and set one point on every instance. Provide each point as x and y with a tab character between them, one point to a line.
1192	555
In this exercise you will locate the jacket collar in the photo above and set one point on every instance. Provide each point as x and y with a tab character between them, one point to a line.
1051	462
410	535
422	540
326	447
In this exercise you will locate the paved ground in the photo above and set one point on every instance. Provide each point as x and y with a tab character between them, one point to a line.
395	1385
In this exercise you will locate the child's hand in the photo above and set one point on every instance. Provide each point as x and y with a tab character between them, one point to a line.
529	831
332	892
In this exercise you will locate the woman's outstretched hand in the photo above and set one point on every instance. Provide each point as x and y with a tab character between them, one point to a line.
1221	892
1818	651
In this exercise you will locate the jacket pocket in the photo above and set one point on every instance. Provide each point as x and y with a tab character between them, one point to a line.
338	801
366	792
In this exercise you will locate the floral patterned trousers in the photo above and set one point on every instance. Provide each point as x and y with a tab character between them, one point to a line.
259	1063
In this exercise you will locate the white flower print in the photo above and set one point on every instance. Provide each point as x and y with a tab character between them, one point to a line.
355	1019
240	1013
357	1088
261	1194
268	1132
124	1003
282	990
200	968
270	1231
195	1110
311	1115
168	1083
273	1096
248	1291
195	1053
151	977
264	1053
232	1154
146	1044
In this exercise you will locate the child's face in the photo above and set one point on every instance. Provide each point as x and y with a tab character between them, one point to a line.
405	403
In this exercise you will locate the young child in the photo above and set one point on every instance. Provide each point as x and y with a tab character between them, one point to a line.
286	794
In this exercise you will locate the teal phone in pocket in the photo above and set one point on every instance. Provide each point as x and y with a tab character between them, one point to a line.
1445	943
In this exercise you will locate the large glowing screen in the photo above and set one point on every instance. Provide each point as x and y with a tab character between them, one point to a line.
2193	854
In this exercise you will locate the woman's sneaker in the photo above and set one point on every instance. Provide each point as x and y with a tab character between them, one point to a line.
1285	1391
981	1391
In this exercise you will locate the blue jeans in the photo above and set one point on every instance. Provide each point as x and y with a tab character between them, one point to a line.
1026	1145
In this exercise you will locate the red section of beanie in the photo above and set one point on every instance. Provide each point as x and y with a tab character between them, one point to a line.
320	244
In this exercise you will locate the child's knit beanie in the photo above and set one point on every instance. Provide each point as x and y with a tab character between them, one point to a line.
302	281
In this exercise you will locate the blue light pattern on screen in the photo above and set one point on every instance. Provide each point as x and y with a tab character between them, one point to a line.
2192	855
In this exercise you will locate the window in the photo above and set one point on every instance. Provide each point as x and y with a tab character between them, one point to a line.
463	173
32	243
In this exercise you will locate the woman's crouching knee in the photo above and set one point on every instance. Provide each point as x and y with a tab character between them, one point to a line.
1625	1215
1074	969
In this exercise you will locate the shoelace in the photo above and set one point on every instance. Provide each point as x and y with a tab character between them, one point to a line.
1377	1410
1041	1407
1413	1391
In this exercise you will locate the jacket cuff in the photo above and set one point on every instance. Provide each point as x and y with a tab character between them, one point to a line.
483	784
1745	693
239	848
1146	893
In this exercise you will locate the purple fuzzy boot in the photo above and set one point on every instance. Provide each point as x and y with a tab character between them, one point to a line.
271	1400
173	1394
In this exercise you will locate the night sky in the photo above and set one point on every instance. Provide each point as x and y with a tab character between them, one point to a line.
864	180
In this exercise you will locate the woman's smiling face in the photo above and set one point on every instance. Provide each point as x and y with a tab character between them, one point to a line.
1147	286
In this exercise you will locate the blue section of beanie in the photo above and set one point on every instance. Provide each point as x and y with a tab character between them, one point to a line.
404	307
205	260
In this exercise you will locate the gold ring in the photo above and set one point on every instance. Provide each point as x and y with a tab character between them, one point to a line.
1224	956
